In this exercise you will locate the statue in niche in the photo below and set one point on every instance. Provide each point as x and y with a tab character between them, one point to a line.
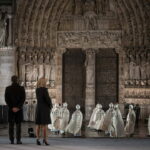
22	64
148	66
149	126
78	7
127	66
89	63
35	67
41	67
29	66
90	15
137	66
47	67
3	25
143	65
132	66
52	69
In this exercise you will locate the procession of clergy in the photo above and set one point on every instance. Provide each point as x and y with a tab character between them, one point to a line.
110	122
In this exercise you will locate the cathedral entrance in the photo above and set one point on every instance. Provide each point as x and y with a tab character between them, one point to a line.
74	78
106	77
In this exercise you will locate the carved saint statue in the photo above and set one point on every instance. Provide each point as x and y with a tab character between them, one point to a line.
143	65
29	66
78	7
132	67
137	66
47	67
149	125
126	67
64	117
130	122
22	63
75	124
90	15
35	67
41	66
3	25
148	66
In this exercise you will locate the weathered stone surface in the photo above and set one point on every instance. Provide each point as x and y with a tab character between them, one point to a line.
7	69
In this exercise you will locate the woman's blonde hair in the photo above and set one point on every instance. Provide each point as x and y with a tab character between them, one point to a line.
41	82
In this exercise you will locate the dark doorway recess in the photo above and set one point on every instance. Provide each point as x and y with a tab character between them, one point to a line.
74	78
106	77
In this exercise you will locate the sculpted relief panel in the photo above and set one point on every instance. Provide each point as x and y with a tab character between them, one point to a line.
92	39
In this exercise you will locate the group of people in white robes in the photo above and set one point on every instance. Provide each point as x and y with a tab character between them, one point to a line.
60	117
111	121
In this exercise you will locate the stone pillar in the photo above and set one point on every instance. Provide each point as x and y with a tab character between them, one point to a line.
59	74
10	30
90	83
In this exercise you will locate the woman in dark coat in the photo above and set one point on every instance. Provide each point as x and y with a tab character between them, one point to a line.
42	116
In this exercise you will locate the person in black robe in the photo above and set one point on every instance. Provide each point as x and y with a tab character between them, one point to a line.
14	98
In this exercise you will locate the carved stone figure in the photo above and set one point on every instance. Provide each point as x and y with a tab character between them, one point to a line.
64	117
29	66
90	15
22	63
132	67
127	67
75	124
148	66
137	66
3	25
47	67
143	66
117	123
130	122
41	66
149	125
78	7
35	67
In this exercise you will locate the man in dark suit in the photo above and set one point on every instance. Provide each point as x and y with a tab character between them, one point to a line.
14	98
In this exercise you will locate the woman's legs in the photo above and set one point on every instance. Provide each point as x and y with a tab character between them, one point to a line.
38	128
44	132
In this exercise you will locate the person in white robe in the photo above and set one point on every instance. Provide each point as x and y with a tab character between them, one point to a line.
93	117
55	118
130	122
117	127
64	117
108	118
75	124
100	118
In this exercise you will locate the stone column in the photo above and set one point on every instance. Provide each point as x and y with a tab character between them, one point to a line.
90	83
59	74
10	30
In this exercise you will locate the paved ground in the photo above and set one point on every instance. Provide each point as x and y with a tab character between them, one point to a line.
79	144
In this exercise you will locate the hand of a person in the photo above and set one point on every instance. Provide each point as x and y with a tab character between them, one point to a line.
15	109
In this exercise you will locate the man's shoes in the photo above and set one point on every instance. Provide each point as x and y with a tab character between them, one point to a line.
19	142
11	142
